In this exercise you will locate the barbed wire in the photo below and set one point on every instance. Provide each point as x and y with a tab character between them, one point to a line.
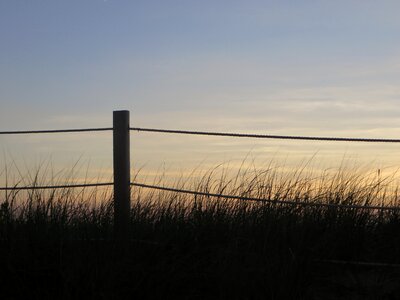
54	186
267	136
55	131
284	202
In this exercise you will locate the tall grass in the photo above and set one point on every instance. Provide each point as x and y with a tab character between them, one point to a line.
59	243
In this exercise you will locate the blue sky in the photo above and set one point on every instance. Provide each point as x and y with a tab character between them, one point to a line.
278	67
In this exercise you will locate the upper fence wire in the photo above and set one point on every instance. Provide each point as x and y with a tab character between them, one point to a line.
268	136
210	133
55	131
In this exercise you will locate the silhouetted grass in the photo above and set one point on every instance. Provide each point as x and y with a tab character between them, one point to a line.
59	243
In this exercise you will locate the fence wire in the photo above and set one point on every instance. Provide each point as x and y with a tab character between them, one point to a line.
267	136
214	195
55	131
357	263
209	133
285	202
49	187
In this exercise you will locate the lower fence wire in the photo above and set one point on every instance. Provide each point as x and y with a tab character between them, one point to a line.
49	187
286	202
214	195
357	263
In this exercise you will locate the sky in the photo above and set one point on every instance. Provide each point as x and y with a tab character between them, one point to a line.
319	68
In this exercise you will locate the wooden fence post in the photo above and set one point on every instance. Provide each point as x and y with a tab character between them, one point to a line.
122	177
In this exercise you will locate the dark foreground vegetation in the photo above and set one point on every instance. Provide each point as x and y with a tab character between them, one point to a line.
54	245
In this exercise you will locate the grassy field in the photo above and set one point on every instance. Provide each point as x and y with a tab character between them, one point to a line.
58	244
